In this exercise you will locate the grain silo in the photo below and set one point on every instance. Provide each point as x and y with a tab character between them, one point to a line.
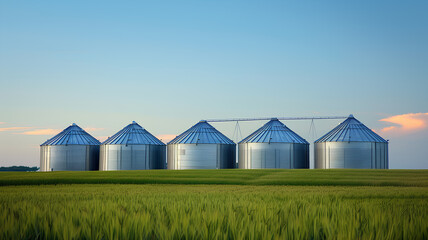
132	148
201	147
351	145
73	149
273	145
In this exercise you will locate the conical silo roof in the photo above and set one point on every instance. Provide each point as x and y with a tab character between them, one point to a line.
133	134
202	132
72	135
351	130
274	131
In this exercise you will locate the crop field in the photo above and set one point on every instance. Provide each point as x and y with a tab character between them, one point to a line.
215	204
300	177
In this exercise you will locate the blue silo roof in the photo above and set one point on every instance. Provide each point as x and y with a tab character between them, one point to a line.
133	134
202	132
72	135
351	130
274	131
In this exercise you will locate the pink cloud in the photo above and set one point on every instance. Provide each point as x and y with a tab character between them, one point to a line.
92	129
101	138
386	129
51	131
405	123
13	129
2	122
166	137
42	132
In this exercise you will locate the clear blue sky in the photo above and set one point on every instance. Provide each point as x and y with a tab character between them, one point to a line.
168	64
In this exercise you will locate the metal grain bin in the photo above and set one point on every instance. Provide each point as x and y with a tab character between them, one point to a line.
132	148
73	149
273	145
201	147
351	145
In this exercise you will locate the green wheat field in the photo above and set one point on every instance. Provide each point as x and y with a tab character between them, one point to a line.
215	204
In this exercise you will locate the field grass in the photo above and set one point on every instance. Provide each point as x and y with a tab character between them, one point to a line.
115	211
308	177
225	204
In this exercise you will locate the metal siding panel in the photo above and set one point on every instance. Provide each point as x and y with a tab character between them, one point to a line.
300	156
43	158
154	157
179	155
273	155
94	162
219	157
76	158
157	158
270	157
87	157
124	157
256	157
113	161
319	155
161	157
102	158
379	159
382	155
202	156
250	156
48	158
146	160
373	154
133	157
308	152
230	156
327	159
357	155
58	158
170	156
386	156
277	159
241	156
72	157
139	156
337	155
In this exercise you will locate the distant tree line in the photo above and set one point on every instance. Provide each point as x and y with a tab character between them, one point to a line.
18	169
